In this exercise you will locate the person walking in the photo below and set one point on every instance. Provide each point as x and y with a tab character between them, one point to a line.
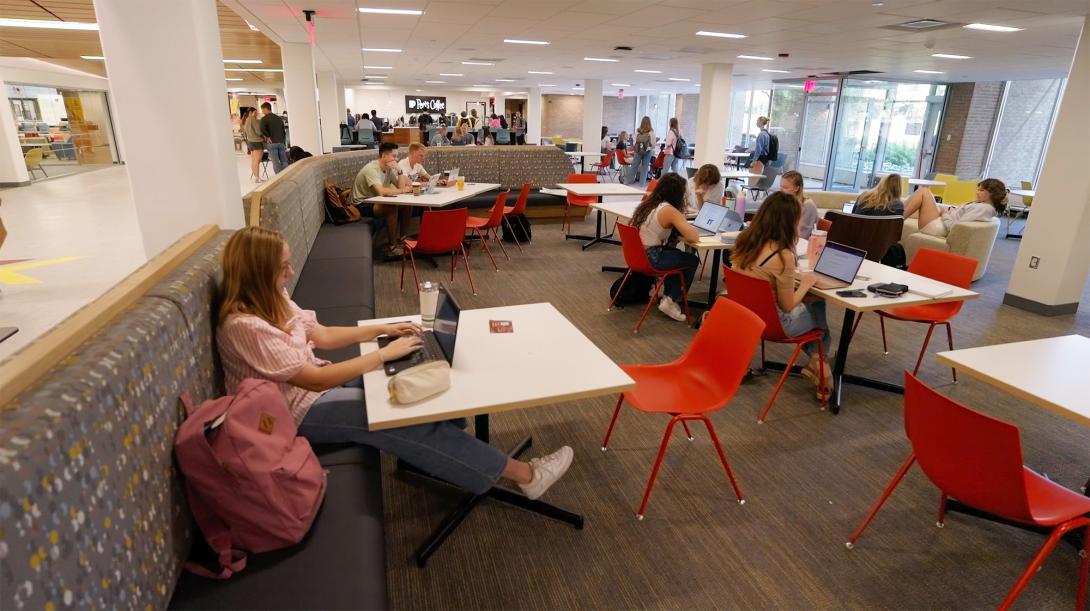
761	155
672	159
276	139
255	145
645	150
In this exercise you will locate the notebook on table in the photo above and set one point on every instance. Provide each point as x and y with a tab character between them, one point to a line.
438	342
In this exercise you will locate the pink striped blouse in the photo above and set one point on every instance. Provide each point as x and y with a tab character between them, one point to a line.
252	348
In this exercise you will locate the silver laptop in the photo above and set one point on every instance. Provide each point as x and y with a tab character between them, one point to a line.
453	177
838	265
709	219
848	208
432	182
731	222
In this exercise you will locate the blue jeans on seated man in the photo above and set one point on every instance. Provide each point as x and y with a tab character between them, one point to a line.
442	449
665	257
805	317
278	154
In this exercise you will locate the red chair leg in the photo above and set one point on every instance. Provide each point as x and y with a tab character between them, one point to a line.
882	322
1035	564
507	221
612	422
941	521
496	235
950	342
923	349
822	389
723	459
688	433
779	385
412	262
1084	570
881	500
614	298
655	468
484	247
469	272
647	308
685	298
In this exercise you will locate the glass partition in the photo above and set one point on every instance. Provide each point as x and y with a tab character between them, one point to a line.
660	108
803	122
72	128
1023	129
746	106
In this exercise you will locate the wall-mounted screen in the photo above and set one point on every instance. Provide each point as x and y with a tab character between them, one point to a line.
425	103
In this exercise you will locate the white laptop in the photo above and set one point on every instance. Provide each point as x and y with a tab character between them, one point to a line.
709	218
431	184
848	208
837	266
453	177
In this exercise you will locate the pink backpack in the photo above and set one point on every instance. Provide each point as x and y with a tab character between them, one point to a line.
252	483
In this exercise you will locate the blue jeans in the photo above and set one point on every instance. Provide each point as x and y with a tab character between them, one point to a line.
670	163
442	449
638	167
278	154
807	316
664	257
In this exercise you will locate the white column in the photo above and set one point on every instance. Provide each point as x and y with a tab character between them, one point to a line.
533	116
12	168
712	114
192	180
592	115
350	100
342	108
1054	258
329	106
301	92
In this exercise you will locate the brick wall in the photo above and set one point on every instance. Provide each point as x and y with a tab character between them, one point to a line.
959	97
562	114
686	107
978	129
619	114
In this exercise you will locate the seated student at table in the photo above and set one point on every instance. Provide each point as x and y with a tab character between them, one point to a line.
937	219
622	143
705	186
263	334
766	250
791	184
883	200
440	137
461	135
381	177
412	165
607	145
657	217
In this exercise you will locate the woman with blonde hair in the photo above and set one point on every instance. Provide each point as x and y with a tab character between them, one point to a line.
645	151
791	184
883	200
255	142
263	334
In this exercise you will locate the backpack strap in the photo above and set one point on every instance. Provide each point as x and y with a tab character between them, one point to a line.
218	537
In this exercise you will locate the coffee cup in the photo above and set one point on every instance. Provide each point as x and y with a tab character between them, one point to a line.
416	188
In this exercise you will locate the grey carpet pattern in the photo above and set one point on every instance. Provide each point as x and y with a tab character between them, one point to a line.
809	477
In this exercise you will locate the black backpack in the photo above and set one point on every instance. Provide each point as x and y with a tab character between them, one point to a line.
521	226
296	153
643	143
635	290
773	147
895	256
681	148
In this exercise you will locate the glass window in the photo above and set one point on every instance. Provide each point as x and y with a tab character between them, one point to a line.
746	105
1023	129
660	108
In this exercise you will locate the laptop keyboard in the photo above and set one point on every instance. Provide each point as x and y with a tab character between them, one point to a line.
429	351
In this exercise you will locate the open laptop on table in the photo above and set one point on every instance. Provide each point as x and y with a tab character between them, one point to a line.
709	219
848	208
452	177
838	265
438	343
431	184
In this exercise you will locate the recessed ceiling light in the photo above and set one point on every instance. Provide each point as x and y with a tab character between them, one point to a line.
599	59
515	41
950	56
375	76
242	61
776	71
379	67
619	85
391	11
683	80
992	28
505	80
929	72
649	71
478	63
451	74
419	90
720	34
763	58
379	50
545	85
96	57
435	82
47	24
537	72
234	79
253	69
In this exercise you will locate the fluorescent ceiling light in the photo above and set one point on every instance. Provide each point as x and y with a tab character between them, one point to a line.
649	71
505	80
545	85
47	24
379	67
950	56
537	72
760	57
683	80
720	34
992	28
451	74
928	72
419	90
435	82
478	64
619	85
242	61
98	57
599	59
776	71
515	41
391	11
253	69
234	79
374	50
375	76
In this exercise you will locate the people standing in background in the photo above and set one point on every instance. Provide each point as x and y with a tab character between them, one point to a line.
645	151
494	122
670	161
255	144
518	124
760	158
424	121
503	122
607	146
791	184
376	121
350	121
276	140
705	186
474	121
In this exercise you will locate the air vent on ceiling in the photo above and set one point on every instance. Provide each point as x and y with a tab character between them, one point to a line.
922	25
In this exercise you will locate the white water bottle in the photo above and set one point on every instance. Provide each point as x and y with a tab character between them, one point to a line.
740	203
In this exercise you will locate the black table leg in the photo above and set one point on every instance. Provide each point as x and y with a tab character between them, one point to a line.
840	360
713	278
597	237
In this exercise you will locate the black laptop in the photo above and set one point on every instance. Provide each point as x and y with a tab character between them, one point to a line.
438	343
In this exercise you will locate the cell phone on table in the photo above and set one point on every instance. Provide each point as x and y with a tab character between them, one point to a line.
851	293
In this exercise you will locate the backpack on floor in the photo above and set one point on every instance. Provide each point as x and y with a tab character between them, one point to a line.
521	226
252	484
895	256
338	207
636	290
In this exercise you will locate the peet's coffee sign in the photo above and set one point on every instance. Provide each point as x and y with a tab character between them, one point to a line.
425	103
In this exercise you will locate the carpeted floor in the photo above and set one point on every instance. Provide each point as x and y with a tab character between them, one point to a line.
808	476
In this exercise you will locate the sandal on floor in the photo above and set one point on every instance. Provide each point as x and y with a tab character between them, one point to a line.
812	375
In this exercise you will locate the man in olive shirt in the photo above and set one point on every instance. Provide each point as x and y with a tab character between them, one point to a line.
382	177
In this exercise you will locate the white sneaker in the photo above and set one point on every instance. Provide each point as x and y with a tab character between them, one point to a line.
670	308
547	470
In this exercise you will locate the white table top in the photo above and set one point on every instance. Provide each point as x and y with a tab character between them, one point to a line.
622	208
545	360
738	154
872	273
925	182
1048	372
599	188
441	196
1024	192
730	175
582	154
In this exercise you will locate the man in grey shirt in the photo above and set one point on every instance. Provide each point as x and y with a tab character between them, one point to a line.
276	142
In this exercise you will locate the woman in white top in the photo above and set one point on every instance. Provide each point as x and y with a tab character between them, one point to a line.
791	184
607	146
705	186
937	219
657	217
672	134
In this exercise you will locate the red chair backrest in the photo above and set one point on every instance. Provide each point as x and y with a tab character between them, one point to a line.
582	200
607	160
974	458
621	158
496	216
657	163
945	267
651	184
719	356
524	196
757	296
441	231
635	256
824	224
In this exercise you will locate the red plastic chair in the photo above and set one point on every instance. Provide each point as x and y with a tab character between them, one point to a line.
583	201
518	208
937	265
824	224
635	257
651	184
701	381
977	460
656	165
441	232
756	294
622	162
491	226
605	166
